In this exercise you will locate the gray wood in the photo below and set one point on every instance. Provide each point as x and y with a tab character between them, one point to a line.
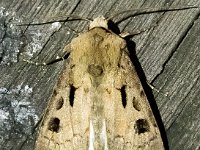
168	53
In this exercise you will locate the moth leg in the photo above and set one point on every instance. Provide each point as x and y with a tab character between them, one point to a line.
63	56
34	63
152	87
137	32
157	90
57	59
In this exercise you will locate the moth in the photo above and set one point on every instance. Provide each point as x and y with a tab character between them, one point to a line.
98	102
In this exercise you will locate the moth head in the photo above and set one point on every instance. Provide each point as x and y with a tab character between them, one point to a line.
99	22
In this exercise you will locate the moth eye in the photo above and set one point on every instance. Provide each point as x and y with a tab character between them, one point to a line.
71	95
60	103
123	95
136	104
141	126
54	124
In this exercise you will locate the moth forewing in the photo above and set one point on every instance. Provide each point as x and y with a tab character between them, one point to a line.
98	102
141	130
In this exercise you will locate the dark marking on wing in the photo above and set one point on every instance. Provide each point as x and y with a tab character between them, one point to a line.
54	124
141	126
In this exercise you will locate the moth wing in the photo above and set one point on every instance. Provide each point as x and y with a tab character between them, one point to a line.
65	124
132	125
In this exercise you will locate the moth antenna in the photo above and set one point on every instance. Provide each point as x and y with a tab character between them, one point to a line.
139	11
73	17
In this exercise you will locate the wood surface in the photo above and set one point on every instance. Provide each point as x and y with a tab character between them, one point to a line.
166	55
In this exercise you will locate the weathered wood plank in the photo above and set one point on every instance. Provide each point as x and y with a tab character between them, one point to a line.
168	54
180	79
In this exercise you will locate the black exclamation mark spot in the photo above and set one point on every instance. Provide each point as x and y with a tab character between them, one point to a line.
123	95
71	95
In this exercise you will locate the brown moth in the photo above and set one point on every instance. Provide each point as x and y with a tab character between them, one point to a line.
98	102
